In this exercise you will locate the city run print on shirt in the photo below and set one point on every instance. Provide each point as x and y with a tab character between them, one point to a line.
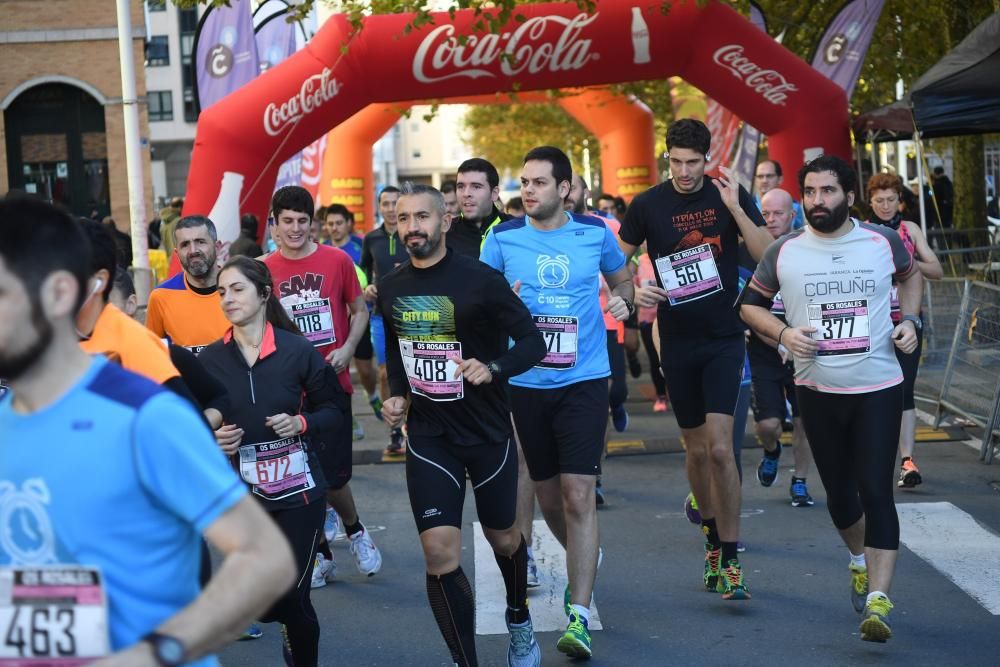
428	345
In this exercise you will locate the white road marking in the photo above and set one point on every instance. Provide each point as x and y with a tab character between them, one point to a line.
956	545
545	602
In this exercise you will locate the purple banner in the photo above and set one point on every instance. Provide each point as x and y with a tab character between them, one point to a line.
841	51
225	52
275	40
745	161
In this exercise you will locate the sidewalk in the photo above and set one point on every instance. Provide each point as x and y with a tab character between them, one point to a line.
648	432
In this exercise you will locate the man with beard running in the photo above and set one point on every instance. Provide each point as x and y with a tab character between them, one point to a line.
448	321
835	278
185	309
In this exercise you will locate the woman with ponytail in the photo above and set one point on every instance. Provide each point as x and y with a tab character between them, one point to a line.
885	193
267	367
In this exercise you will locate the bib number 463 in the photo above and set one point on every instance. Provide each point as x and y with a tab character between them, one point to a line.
41	631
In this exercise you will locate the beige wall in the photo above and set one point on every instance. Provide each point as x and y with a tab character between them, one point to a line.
91	61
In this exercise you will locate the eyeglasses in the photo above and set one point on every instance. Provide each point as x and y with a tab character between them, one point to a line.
885	201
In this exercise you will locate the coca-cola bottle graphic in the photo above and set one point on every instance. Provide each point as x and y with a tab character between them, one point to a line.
640	38
225	212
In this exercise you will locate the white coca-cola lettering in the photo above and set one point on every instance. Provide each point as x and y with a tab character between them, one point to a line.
315	91
768	83
520	51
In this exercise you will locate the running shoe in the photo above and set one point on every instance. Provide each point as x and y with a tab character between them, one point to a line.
875	625
909	475
523	650
324	570
741	547
252	632
376	404
331	526
599	493
712	559
567	601
634	367
767	471
619	418
660	405
859	586
731	583
286	647
532	579
800	493
357	429
366	555
575	642
691	510
397	443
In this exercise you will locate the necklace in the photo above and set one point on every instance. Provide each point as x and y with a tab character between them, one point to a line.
259	342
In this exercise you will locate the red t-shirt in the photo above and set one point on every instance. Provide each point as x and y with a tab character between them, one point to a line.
316	292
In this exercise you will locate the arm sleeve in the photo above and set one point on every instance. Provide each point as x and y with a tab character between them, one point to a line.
490	253
765	277
324	404
398	384
512	316
207	391
750	208
181	467
633	230
612	257
154	315
366	258
902	260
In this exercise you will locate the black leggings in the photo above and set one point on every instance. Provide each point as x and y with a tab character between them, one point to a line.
646	333
910	363
302	526
853	438
618	390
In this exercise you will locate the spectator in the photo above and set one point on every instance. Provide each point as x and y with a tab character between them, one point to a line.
246	244
515	207
944	192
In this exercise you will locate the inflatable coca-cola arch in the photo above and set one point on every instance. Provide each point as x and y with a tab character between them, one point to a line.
248	134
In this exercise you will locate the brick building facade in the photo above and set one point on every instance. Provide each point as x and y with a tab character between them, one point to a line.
62	126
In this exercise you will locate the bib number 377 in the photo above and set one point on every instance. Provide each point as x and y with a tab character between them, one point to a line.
53	616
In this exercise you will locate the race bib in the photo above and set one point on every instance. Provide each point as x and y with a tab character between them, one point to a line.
778	306
52	616
689	275
276	469
842	327
315	320
895	314
430	369
560	334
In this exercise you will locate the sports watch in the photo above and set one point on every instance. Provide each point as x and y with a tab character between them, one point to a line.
917	322
167	651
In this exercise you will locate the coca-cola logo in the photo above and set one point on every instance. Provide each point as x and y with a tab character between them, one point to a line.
441	56
315	91
768	83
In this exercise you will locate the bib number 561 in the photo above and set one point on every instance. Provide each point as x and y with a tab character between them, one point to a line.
41	631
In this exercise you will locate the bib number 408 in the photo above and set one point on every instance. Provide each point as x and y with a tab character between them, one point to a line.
431	370
41	631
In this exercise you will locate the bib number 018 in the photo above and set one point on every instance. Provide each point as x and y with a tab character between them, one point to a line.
41	632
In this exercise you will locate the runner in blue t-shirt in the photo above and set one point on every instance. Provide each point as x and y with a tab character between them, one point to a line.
94	488
560	406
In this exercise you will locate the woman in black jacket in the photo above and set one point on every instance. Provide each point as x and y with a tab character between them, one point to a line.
280	395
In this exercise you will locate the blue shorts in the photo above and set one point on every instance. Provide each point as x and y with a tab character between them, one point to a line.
378	338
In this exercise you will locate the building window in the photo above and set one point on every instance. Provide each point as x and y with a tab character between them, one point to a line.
190	111
188	19
416	154
156	5
161	105
157	51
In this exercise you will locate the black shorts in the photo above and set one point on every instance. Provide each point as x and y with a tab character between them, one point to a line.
335	450
435	480
703	375
910	363
770	390
364	350
561	429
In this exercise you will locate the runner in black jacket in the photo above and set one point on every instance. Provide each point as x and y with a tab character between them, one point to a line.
267	367
448	319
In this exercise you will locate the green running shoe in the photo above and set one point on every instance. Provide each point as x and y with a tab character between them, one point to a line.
567	603
731	583
859	586
875	626
575	642
712	560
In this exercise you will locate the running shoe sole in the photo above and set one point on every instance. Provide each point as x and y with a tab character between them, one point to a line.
875	629
911	479
573	647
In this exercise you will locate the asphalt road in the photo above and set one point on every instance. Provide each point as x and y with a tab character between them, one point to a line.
649	594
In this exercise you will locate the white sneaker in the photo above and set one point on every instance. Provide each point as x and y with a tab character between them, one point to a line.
523	650
331	527
532	579
366	555
323	571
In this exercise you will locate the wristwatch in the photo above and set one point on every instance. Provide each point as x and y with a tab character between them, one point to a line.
629	305
494	368
167	651
917	322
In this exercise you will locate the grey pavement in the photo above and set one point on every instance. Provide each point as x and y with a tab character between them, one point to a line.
649	592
